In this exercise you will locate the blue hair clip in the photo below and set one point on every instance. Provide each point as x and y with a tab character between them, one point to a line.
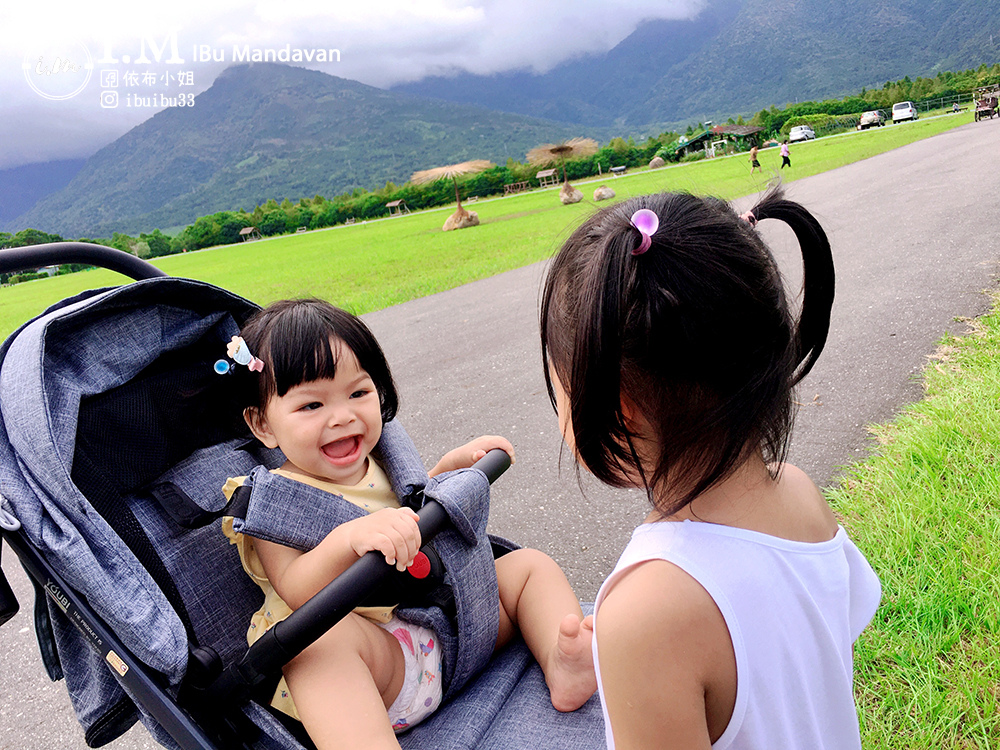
237	349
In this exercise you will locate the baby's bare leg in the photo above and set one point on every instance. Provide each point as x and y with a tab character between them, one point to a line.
343	684
536	599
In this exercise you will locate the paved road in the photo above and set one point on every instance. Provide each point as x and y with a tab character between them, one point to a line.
911	258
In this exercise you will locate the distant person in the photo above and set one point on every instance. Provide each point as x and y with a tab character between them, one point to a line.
671	354
754	164
785	160
955	107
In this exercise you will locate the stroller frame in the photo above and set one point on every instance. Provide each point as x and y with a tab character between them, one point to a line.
210	685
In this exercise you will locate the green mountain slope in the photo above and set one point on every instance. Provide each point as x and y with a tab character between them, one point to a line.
740	56
272	131
781	51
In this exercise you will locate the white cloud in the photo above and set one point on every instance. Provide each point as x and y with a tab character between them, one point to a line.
381	43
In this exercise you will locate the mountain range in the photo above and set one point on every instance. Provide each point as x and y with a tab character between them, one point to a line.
266	131
740	56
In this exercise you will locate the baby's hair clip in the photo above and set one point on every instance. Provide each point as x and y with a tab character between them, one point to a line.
647	222
238	350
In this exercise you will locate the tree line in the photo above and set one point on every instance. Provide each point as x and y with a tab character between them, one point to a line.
274	218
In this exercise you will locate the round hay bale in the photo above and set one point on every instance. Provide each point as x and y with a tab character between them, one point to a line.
569	194
460	220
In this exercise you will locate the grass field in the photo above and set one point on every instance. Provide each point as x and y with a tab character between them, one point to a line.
925	510
378	264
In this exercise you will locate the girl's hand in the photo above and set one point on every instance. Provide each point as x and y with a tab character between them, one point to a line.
391	531
468	454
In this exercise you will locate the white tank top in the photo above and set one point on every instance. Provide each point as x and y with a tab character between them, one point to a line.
793	610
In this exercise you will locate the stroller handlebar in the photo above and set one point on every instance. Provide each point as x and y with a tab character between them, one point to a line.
56	253
493	464
288	638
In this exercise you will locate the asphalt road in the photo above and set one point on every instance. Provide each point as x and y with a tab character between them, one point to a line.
915	244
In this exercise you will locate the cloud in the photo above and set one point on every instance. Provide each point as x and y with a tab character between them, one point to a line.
381	44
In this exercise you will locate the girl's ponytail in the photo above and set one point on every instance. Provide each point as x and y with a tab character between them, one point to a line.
817	277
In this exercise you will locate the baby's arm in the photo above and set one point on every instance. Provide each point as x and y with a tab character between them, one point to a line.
466	455
298	576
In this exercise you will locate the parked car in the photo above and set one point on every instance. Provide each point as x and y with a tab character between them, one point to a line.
872	119
800	133
902	111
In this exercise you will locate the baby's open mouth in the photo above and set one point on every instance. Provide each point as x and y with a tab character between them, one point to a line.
344	449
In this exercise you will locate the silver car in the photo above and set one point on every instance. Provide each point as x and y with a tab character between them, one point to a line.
800	133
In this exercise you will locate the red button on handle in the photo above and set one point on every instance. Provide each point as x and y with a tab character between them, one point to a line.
420	567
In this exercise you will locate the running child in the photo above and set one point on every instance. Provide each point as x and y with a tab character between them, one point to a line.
670	355
323	392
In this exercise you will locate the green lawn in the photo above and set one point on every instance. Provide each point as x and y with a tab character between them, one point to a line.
925	510
370	266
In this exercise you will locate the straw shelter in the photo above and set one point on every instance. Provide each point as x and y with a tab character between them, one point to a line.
461	218
550	153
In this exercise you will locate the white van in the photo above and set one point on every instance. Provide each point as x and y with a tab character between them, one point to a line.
902	111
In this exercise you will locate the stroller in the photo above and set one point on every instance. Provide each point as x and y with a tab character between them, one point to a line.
116	435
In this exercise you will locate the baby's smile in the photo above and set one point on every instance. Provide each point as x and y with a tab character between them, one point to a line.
343	451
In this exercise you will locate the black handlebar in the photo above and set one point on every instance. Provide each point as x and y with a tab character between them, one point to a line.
288	638
57	253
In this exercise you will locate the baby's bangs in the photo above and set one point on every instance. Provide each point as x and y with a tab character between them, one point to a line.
303	354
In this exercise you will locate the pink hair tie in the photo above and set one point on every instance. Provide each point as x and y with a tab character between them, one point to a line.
647	222
749	218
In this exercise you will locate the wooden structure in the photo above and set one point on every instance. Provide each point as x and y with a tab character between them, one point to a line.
349	220
397	208
616	171
744	135
515	187
249	233
547	178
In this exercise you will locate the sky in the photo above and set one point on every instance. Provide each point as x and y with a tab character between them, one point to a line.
75	76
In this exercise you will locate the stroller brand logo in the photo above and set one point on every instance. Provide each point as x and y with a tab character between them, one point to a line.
57	596
58	70
116	663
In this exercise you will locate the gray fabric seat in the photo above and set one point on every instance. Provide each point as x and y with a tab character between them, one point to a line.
159	584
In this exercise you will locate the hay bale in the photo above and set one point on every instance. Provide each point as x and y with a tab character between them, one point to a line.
460	220
603	193
569	194
656	162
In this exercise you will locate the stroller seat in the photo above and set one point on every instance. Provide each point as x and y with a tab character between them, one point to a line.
116	436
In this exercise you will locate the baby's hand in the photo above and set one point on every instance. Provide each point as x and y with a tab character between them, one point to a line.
468	454
391	531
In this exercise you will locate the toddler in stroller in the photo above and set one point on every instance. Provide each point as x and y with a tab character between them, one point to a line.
115	437
317	386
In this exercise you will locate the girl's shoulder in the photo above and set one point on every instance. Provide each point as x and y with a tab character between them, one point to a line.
683	678
801	511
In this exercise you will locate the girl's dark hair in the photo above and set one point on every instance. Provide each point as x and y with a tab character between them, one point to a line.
696	333
293	339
